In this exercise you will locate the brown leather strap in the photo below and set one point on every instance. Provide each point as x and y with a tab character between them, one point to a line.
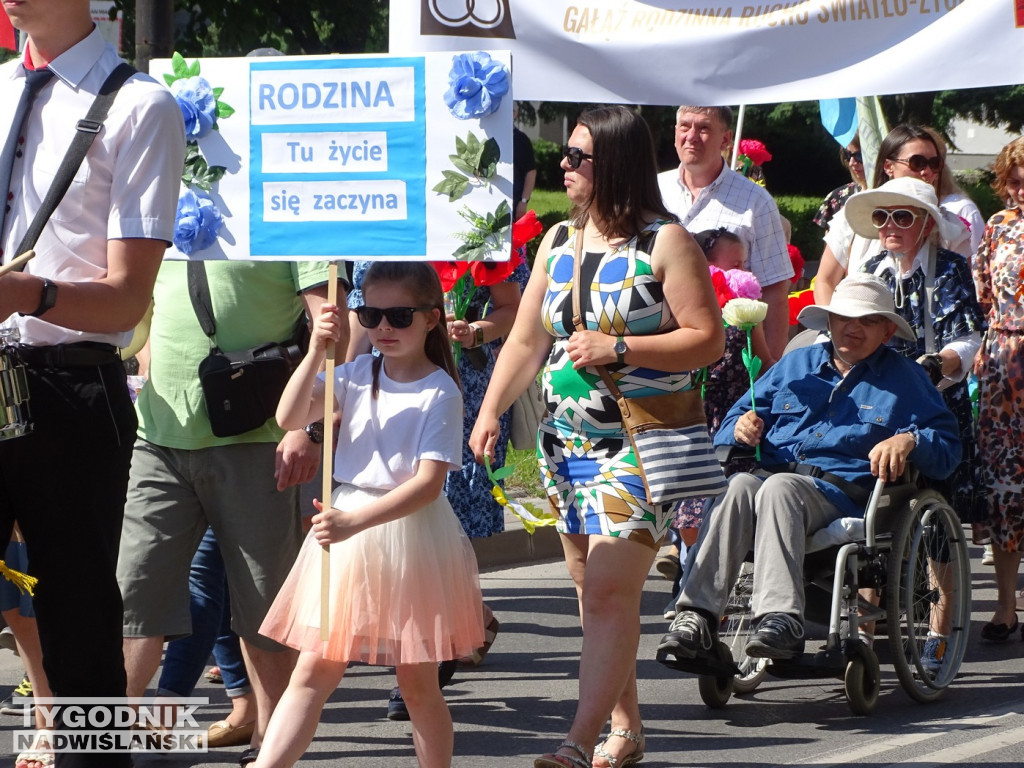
577	314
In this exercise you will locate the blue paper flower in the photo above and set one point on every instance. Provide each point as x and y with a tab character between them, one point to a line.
197	222
476	84
197	103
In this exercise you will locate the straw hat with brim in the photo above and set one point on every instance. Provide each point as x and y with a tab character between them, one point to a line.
857	296
906	192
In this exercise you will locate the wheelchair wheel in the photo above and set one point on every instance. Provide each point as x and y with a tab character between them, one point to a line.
862	681
929	587
715	690
735	631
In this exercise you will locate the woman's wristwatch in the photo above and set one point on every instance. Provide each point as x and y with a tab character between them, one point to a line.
478	334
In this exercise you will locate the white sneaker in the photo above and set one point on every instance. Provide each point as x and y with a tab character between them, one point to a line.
986	556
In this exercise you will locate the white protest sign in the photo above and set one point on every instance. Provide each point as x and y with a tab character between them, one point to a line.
337	157
714	52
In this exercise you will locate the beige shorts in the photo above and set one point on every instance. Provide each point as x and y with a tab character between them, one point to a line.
173	495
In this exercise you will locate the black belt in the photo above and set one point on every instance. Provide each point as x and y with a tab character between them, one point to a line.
856	493
81	355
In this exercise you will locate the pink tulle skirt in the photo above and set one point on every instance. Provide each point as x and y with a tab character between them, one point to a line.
403	592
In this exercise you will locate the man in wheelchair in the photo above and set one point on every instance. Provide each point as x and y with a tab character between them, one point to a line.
829	418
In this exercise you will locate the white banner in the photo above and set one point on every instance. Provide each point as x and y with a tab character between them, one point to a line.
671	52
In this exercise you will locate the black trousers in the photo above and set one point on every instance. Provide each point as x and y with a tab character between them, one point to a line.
65	484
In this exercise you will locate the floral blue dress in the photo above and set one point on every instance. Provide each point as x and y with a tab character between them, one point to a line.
955	312
469	489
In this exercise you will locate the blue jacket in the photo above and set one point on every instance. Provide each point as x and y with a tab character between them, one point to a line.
813	415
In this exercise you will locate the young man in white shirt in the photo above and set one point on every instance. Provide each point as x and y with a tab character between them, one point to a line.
74	304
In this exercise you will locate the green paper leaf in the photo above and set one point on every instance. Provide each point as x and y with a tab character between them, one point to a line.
217	92
169	78
223	110
193	71
462	165
454	185
745	356
501	474
178	66
755	367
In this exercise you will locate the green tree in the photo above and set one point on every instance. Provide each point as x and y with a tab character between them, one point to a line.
235	27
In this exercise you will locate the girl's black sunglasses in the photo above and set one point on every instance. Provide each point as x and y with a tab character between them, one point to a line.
398	317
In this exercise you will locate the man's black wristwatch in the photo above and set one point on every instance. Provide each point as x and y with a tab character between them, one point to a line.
315	432
47	299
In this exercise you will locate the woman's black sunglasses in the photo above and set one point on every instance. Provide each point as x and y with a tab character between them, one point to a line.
918	163
575	156
851	156
398	317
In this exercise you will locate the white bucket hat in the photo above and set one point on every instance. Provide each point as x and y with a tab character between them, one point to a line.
858	295
907	191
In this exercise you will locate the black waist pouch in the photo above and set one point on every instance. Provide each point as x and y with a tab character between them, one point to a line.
241	389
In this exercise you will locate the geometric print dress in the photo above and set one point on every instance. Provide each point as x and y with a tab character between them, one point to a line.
587	463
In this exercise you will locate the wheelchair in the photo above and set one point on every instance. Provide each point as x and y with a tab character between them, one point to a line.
914	554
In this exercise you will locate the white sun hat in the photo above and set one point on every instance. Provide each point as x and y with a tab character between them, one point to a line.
857	295
904	191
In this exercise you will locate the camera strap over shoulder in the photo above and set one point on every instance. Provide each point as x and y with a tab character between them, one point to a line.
86	131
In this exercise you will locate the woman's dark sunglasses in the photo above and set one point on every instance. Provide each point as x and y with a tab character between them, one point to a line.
398	317
851	156
901	217
575	156
918	163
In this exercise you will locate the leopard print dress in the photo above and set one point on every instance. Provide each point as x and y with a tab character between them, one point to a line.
998	268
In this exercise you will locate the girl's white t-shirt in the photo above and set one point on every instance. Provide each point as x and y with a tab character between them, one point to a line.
381	441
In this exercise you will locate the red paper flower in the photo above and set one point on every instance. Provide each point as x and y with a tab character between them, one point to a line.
797	260
722	289
755	150
494	272
524	230
450	272
798	301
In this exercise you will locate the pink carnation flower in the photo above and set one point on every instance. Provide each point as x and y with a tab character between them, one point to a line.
743	284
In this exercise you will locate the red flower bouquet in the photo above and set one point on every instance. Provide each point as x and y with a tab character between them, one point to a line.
460	279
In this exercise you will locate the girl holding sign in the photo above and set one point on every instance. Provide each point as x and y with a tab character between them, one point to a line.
403	580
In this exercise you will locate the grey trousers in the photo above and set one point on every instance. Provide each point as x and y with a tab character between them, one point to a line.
787	509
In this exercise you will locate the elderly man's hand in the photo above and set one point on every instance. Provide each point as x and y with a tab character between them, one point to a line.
748	429
889	457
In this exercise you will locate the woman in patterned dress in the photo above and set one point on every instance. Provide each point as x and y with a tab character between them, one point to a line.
999	279
651	316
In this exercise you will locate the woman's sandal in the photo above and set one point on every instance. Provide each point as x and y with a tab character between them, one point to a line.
39	754
555	760
631	759
477	657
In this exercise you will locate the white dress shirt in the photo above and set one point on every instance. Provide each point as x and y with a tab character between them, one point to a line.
742	207
127	186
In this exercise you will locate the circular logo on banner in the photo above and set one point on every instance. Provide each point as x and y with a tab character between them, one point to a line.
466	18
486	14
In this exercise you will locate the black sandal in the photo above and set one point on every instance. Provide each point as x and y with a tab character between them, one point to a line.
999	633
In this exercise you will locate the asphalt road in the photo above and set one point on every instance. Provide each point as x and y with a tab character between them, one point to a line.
518	704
